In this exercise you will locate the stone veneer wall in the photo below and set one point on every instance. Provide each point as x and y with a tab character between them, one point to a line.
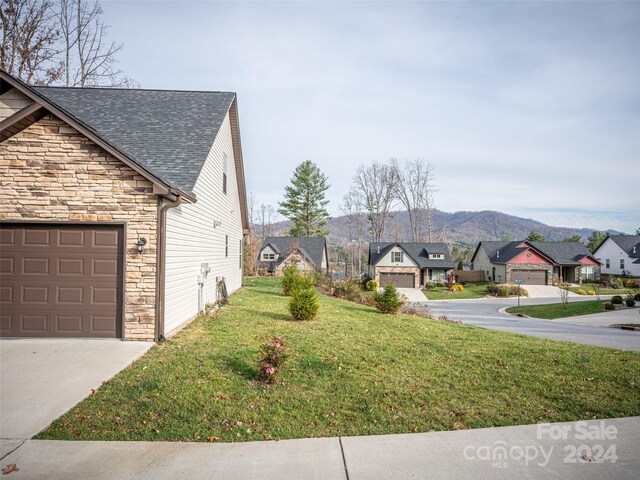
50	171
414	270
529	266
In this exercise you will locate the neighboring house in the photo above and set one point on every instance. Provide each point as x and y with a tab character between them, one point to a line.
619	255
406	264
537	263
307	252
121	208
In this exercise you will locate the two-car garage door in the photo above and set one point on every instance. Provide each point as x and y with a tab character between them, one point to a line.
406	280
61	280
530	277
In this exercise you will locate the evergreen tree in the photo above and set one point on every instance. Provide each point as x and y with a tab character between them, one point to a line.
594	240
535	237
305	203
572	239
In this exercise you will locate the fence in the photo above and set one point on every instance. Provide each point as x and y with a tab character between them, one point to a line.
469	276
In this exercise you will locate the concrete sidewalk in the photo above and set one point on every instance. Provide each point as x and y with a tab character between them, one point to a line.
530	451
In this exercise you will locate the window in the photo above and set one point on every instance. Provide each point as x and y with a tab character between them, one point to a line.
226	245
435	256
240	254
622	264
607	264
397	257
225	162
268	256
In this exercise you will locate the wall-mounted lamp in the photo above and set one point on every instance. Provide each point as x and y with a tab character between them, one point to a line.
141	243
217	223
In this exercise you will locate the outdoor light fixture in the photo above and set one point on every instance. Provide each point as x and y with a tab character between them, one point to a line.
141	243
217	223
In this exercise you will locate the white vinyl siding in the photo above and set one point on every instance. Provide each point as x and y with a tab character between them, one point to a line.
192	238
615	259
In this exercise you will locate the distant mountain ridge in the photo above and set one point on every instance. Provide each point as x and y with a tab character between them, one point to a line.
464	228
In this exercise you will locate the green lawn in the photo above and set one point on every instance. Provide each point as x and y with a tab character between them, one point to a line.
471	290
605	291
558	310
351	372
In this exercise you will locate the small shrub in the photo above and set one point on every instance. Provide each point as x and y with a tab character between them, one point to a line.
582	292
629	283
388	301
321	279
294	279
630	302
616	300
615	285
273	355
417	311
372	285
303	304
609	306
456	287
430	285
441	283
636	297
592	292
515	289
348	290
492	288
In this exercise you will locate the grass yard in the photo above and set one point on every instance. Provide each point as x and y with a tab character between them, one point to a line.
605	291
471	290
558	310
351	372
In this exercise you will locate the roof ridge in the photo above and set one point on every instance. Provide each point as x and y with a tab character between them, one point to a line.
60	87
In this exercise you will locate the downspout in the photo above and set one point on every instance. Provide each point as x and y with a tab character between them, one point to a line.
160	265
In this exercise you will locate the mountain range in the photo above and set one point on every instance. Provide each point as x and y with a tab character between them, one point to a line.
464	229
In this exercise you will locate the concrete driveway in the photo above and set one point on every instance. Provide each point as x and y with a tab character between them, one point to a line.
41	379
413	295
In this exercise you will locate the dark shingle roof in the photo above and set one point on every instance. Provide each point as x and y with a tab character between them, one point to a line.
627	243
563	253
168	133
312	247
419	253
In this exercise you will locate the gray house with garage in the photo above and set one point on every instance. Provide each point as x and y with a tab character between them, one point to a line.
409	264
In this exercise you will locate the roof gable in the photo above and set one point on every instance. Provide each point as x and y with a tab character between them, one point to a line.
313	248
629	243
417	251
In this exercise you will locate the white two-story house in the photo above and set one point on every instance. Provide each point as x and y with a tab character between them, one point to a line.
620	255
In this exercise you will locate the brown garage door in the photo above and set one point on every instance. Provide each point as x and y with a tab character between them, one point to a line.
530	277
60	280
405	280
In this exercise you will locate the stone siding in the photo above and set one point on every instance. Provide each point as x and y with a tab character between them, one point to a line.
51	172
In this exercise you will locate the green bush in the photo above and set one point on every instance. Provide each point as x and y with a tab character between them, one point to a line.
492	288
630	302
609	306
615	285
348	290
294	279
303	304
616	300
636	297
372	285
430	285
321	279
388	301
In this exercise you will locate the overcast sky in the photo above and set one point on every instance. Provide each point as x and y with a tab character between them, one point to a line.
529	108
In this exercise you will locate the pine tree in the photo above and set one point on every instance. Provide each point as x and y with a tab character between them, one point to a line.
595	239
305	203
535	237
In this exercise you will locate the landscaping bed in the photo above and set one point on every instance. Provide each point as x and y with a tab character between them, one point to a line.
471	290
558	310
353	371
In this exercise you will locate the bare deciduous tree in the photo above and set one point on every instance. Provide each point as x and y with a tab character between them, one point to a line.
89	58
375	186
352	208
30	37
49	41
266	216
414	188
